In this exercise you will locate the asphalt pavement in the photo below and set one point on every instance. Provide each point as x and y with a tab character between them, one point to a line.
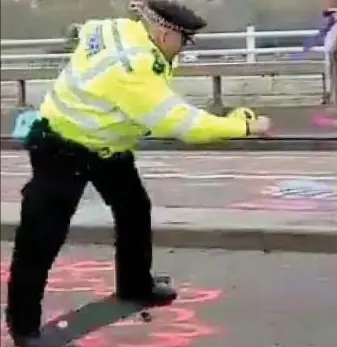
231	200
244	299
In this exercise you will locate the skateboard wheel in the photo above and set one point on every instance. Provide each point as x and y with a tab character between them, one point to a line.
62	324
145	316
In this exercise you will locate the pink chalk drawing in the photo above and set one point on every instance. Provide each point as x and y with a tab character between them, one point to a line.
176	325
324	121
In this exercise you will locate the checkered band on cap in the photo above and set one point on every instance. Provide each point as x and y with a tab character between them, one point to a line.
153	16
332	11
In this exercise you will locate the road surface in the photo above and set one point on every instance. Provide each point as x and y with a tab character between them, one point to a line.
256	201
225	299
203	179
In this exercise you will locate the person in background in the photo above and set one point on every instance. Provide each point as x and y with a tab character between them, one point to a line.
328	21
328	118
112	93
330	37
330	45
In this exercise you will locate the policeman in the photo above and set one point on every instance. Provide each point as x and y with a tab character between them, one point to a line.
114	91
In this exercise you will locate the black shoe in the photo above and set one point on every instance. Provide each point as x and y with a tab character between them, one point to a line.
161	294
32	340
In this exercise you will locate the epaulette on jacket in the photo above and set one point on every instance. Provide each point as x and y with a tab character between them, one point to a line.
159	65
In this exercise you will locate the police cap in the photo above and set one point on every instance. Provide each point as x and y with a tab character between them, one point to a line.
173	15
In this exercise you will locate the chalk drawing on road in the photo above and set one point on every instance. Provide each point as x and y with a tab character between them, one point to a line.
179	324
294	195
299	189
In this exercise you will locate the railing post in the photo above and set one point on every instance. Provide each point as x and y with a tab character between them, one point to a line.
326	80
22	95
251	44
217	105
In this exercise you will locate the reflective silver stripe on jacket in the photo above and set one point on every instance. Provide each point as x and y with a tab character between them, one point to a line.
119	46
193	115
77	82
86	122
155	117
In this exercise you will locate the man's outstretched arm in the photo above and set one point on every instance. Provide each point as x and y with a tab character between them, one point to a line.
147	98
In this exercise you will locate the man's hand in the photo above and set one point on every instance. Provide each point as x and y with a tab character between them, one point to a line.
242	112
258	125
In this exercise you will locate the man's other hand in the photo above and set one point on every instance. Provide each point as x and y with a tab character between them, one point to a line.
259	126
242	112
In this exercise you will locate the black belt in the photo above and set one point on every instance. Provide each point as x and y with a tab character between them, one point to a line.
42	136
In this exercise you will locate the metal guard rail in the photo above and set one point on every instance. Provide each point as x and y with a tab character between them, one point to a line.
250	32
213	70
47	66
189	70
250	36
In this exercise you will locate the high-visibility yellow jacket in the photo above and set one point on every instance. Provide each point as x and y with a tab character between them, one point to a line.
116	89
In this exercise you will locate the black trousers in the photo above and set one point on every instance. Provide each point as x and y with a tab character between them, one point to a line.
61	171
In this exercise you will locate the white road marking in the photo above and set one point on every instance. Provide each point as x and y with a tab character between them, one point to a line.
209	155
10	156
242	176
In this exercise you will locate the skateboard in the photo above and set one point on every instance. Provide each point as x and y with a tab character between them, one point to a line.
76	324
